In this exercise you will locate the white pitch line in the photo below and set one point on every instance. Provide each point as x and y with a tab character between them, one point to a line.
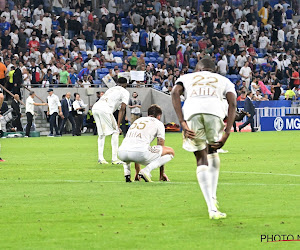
237	172
162	183
174	171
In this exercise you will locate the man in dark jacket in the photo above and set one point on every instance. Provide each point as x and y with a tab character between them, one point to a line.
16	113
66	107
249	107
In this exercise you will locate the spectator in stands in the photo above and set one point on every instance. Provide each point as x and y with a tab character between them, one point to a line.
289	94
246	74
109	57
222	67
295	80
275	86
89	36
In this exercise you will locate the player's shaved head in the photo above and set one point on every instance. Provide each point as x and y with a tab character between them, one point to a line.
154	110
206	64
122	81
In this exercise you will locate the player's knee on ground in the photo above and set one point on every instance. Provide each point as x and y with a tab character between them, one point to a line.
168	151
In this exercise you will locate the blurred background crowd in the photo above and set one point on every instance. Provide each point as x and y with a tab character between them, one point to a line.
59	43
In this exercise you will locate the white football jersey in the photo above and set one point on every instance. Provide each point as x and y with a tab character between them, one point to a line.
142	132
204	92
112	99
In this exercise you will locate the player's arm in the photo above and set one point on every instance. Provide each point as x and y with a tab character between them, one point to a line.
121	114
231	99
162	175
176	93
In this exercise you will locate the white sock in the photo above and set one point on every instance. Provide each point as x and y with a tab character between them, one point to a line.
126	168
101	141
204	180
114	146
159	162
214	169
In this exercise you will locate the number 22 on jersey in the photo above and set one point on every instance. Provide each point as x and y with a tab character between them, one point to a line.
203	86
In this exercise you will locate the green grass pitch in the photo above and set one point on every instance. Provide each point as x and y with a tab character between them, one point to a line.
54	195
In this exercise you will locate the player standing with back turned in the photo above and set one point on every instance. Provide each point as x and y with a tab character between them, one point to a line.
201	119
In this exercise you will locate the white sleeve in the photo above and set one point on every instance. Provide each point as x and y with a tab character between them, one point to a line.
161	130
58	102
125	97
229	88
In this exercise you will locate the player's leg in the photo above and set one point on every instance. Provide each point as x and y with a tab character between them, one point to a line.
114	141
214	131
158	156
101	138
114	148
214	169
137	167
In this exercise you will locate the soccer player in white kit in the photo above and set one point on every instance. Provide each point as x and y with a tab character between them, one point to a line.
201	119
136	145
103	110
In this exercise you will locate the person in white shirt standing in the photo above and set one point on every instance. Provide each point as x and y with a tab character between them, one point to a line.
54	109
30	103
246	73
103	110
79	108
202	123
263	43
222	66
136	146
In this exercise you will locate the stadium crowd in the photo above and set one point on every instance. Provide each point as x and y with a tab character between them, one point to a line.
69	44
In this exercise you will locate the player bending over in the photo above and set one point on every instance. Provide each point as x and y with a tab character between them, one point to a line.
136	145
201	119
106	124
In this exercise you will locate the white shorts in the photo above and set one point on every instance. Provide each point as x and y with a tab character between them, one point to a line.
105	122
208	129
143	157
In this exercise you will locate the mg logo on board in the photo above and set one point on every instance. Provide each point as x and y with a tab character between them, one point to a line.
278	124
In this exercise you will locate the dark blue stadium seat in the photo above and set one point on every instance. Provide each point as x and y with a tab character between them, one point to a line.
147	59
108	65
193	62
105	70
260	55
97	82
160	59
138	53
129	53
152	59
124	21
114	64
125	27
119	54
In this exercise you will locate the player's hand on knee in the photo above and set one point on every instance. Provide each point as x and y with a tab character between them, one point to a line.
186	130
219	144
120	131
164	177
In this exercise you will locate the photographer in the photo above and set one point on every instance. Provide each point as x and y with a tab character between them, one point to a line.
79	108
135	107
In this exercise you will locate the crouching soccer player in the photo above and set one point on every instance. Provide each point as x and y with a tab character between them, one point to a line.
136	145
201	119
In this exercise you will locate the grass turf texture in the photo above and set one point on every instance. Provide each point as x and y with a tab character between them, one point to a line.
54	195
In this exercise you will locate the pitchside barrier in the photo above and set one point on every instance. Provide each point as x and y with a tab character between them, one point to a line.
276	119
